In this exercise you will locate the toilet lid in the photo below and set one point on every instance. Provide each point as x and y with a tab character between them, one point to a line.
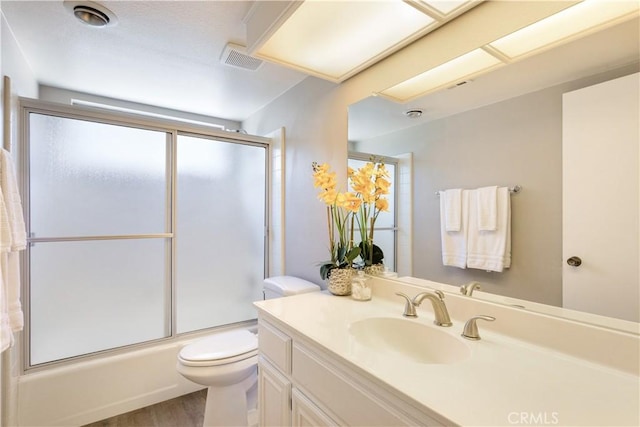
220	346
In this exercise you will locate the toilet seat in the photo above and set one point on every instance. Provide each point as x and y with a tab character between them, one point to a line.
216	362
220	349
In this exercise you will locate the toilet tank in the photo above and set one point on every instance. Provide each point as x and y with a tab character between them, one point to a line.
284	286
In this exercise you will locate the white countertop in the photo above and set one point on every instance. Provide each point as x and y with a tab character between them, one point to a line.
580	316
504	382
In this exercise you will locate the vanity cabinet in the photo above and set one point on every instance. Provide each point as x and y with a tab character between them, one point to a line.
274	396
305	413
274	376
303	384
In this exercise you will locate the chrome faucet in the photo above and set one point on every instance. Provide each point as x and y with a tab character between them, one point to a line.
437	301
469	288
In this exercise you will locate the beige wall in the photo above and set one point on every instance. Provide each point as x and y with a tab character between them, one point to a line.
517	141
315	120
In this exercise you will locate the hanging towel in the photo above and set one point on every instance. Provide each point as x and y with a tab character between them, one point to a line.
490	250
13	204
10	265
452	200
487	208
5	228
11	314
6	335
454	243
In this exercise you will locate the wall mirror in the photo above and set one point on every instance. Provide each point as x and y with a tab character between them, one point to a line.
503	128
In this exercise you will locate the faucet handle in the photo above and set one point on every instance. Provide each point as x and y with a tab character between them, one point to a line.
470	331
409	307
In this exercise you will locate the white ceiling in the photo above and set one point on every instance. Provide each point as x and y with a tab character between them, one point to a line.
162	53
167	54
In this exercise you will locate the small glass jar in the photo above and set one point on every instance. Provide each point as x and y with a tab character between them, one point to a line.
360	287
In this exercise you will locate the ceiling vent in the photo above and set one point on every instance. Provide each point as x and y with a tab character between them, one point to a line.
462	83
234	56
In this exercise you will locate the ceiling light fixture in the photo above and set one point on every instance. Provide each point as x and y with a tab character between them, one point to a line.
335	40
413	113
444	7
459	69
575	21
91	14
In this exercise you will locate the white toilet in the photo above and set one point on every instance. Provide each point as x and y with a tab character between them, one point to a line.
227	362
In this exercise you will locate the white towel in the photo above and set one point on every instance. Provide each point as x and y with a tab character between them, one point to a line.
487	208
490	250
11	315
13	204
10	265
454	243
452	200
5	228
6	335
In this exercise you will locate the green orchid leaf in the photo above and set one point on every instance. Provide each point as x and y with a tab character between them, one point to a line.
352	254
325	270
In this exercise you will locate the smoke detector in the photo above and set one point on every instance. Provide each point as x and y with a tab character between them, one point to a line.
413	113
234	56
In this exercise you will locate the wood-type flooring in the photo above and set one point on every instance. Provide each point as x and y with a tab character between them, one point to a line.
183	411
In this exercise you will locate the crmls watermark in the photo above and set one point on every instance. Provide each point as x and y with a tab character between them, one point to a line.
533	418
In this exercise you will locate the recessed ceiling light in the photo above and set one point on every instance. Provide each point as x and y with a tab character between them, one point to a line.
413	113
91	14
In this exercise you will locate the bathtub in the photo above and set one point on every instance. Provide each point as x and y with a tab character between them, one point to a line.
100	387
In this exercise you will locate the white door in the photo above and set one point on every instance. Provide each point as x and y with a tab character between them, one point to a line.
601	199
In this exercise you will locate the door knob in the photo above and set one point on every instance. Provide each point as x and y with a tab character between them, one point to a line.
574	261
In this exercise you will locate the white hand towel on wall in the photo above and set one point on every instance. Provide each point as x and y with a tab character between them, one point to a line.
487	208
454	243
452	208
490	250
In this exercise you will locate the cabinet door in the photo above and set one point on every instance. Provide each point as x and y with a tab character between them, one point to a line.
306	413
274	396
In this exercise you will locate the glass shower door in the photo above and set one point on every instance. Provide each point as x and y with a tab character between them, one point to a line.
220	229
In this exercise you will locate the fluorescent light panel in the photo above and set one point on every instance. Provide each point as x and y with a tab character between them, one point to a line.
445	6
141	113
336	39
577	19
462	67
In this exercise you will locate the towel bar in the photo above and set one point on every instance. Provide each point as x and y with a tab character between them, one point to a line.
515	189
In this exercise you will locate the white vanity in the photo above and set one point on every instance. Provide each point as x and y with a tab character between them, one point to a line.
327	360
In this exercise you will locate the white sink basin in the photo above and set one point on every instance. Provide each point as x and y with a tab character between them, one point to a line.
390	337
